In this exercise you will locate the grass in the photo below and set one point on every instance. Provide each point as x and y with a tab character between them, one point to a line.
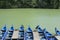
46	18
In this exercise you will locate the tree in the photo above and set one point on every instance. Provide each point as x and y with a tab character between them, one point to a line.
2	3
28	4
56	4
20	3
41	3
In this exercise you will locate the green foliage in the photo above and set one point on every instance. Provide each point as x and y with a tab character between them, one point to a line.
29	3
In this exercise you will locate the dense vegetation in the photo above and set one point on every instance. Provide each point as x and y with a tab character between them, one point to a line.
29	3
